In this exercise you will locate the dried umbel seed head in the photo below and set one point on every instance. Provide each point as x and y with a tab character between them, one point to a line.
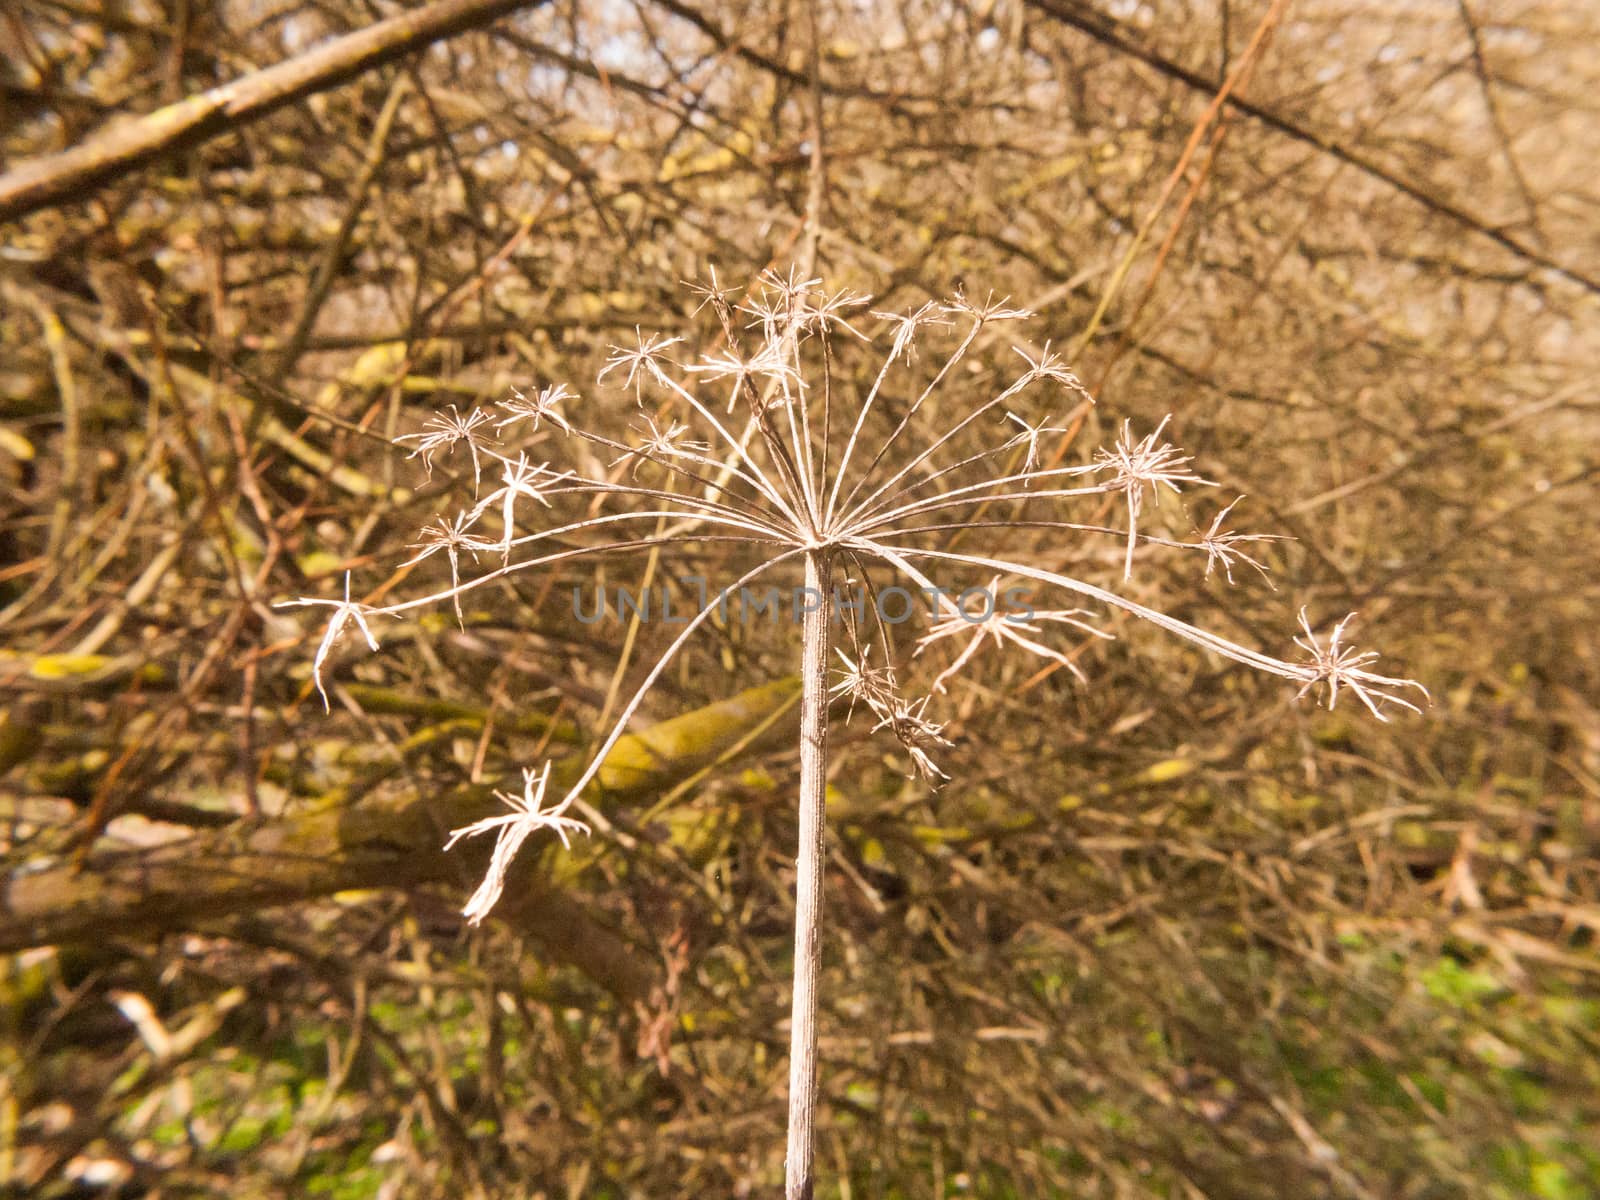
870	685
444	431
1222	547
920	736
785	457
1138	467
1002	628
528	815
1339	666
535	409
450	537
345	612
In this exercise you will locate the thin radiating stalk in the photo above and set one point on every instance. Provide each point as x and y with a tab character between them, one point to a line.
631	544
905	423
855	434
808	878
1200	637
975	494
758	478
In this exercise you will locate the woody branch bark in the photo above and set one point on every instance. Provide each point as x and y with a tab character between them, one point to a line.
257	863
73	173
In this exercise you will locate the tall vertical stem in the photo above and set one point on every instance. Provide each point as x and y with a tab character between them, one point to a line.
808	878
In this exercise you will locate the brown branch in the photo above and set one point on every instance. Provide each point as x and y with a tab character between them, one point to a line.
896	100
1497	118
126	145
372	844
1102	30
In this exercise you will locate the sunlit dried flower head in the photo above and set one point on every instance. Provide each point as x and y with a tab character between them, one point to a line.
823	313
536	408
811	468
1222	547
1341	666
988	309
861	681
1001	627
344	612
770	313
1142	466
511	829
808	463
452	538
907	324
1029	437
918	735
791	289
521	480
712	292
659	444
1053	366
443	431
766	362
642	360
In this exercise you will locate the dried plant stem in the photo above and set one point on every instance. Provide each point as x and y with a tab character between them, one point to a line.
808	880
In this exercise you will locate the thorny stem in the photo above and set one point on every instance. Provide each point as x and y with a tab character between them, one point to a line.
808	876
